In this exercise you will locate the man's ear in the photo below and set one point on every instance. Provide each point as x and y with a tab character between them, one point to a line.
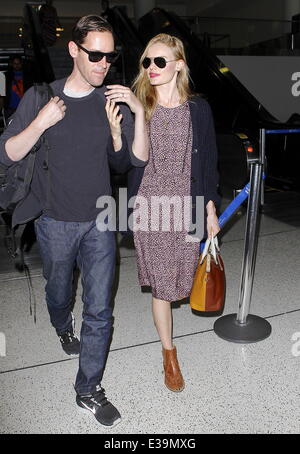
73	49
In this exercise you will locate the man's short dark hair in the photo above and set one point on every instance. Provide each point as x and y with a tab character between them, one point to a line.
88	24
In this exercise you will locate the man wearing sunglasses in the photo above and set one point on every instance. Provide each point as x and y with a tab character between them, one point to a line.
85	133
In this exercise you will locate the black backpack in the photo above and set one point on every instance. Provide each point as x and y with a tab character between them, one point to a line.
14	186
15	180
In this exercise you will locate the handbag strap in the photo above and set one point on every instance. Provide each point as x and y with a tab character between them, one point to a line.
213	250
211	247
205	250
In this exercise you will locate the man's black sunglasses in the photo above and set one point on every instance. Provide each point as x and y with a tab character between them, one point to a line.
160	62
96	55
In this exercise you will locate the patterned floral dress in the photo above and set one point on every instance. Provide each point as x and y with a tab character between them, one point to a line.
166	260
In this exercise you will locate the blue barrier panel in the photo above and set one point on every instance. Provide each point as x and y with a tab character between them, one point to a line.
232	207
281	131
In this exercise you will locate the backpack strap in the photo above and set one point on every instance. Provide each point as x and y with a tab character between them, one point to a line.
46	168
46	93
43	93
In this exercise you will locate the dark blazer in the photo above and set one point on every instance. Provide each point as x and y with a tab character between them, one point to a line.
204	173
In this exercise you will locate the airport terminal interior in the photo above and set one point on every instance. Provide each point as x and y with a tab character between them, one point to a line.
245	61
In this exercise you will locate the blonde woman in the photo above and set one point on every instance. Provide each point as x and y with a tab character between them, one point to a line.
183	162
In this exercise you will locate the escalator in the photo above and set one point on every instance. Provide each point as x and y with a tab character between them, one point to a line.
37	60
128	42
44	62
238	113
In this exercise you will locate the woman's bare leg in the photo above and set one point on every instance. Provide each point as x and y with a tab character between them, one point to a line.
162	316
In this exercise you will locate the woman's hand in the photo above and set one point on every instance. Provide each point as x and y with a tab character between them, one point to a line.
119	93
213	227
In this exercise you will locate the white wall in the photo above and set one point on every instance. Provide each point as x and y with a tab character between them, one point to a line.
269	19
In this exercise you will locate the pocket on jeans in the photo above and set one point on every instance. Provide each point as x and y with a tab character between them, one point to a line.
44	217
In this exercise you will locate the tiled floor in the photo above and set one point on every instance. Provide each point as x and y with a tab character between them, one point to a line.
230	387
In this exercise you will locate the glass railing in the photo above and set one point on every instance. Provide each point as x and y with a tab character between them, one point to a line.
246	36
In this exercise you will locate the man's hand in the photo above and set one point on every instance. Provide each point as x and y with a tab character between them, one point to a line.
53	112
19	145
114	118
119	93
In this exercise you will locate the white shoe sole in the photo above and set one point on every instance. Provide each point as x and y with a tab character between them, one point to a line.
87	411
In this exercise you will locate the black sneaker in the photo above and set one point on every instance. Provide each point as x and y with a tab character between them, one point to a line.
103	410
69	341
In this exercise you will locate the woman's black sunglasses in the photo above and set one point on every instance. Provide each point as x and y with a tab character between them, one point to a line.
96	55
160	62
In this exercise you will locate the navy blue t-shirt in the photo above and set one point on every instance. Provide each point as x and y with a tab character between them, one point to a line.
78	163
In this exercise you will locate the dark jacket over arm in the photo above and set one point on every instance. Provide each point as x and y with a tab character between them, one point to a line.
204	174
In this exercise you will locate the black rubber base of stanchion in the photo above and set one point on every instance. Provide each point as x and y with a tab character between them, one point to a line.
254	330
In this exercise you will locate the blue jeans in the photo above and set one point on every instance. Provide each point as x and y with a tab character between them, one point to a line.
61	245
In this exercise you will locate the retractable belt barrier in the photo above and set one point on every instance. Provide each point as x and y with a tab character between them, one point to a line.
244	327
282	131
235	204
262	145
232	208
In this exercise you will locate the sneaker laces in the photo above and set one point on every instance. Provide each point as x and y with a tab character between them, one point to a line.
99	398
67	337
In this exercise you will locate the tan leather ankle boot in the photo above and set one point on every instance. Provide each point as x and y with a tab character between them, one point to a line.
173	377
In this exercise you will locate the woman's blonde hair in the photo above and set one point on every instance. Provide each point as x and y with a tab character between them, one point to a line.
142	88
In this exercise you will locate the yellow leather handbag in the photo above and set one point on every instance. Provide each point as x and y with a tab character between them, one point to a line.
208	291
